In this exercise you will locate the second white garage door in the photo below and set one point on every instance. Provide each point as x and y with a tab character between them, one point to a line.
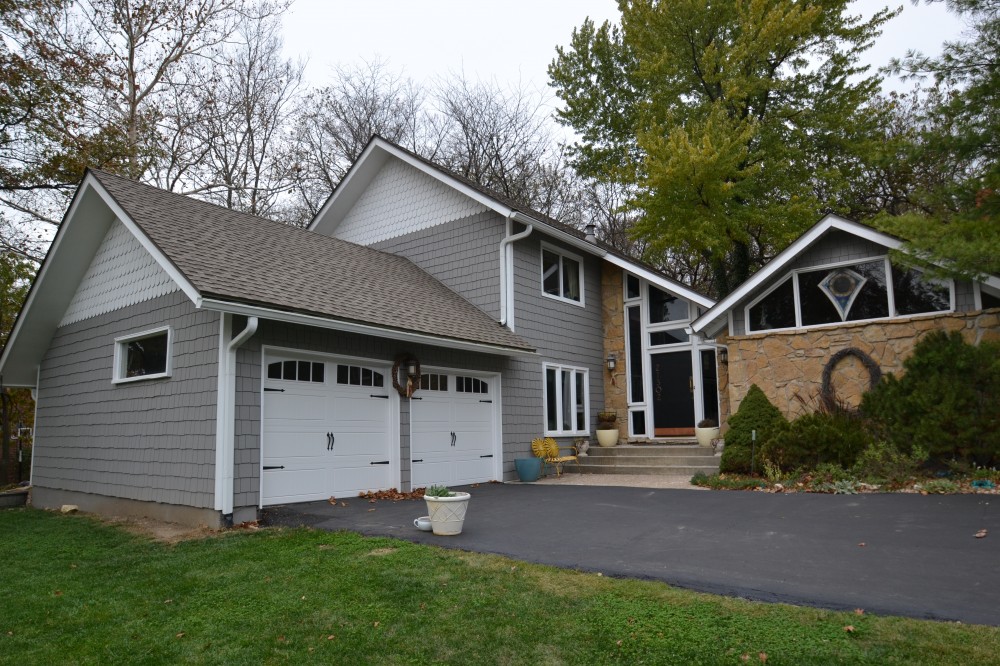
453	430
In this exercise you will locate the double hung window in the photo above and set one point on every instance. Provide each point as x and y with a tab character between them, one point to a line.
567	410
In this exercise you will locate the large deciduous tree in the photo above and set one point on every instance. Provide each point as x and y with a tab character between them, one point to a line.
960	127
731	119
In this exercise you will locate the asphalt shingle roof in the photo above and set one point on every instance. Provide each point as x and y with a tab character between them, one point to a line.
237	257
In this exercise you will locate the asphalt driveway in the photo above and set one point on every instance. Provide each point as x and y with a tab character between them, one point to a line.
893	554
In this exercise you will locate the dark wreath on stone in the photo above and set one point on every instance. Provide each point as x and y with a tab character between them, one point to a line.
827	395
411	387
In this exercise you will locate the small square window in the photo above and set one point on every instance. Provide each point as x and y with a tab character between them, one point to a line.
143	356
562	276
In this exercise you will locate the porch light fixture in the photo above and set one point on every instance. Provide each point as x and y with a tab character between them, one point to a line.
612	362
412	369
724	355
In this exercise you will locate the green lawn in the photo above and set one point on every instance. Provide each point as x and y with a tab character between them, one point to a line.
73	590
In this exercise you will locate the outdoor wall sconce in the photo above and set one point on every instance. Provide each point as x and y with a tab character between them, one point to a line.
412	369
612	362
724	355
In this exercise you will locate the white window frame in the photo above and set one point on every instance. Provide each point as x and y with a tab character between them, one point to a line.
562	254
560	369
793	275
121	355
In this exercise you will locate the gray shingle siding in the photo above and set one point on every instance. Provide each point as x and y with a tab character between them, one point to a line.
464	255
562	333
149	440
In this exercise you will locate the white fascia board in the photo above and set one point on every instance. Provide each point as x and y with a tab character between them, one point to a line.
362	329
175	274
357	177
660	281
785	257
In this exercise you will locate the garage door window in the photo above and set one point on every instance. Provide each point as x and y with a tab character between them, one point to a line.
471	385
433	382
355	375
297	371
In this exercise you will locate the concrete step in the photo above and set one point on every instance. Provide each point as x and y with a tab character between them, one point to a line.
644	470
670	451
650	461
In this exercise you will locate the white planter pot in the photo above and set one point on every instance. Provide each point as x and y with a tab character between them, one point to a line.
447	514
706	435
607	437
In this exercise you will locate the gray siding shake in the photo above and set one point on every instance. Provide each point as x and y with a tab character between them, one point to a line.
464	255
149	440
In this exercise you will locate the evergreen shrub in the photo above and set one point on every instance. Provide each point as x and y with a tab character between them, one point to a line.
947	401
755	413
836	437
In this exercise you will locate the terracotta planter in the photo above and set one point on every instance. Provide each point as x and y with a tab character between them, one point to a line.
607	437
447	514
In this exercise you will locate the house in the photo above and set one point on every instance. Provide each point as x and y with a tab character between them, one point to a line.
823	320
196	364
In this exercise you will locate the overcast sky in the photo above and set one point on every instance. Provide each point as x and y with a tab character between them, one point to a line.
511	42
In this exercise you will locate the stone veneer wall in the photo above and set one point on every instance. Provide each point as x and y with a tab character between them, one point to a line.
788	365
613	319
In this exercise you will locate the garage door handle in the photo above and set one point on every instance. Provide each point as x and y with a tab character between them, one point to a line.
380	462
276	390
453	438
267	467
330	439
489	456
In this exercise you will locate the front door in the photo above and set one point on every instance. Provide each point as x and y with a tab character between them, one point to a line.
673	394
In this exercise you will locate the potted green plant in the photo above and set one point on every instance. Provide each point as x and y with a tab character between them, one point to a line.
607	431
706	431
446	509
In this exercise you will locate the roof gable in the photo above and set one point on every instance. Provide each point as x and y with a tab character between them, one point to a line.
716	318
401	199
339	218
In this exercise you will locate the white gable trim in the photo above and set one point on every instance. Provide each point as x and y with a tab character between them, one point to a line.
710	320
785	257
370	162
175	274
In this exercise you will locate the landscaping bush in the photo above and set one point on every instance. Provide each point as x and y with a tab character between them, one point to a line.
723	482
755	413
947	402
882	462
836	437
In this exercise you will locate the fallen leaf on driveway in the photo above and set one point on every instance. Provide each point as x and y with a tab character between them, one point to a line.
370	510
862	544
980	534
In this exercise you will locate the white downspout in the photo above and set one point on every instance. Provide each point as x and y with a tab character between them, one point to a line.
506	274
228	399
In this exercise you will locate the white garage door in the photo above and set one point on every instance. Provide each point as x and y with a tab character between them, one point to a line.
326	430
453	430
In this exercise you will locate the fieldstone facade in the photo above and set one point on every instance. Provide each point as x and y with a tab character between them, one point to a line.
788	365
613	315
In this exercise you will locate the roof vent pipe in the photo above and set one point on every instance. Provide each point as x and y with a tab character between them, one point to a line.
590	229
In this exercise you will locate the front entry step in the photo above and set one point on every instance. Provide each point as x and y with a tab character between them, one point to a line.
651	459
